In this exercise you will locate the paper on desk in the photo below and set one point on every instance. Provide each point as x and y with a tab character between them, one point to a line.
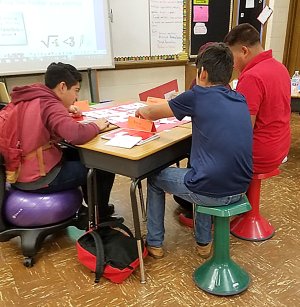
83	105
124	141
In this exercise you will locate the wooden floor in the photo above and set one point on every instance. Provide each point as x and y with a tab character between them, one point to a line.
57	279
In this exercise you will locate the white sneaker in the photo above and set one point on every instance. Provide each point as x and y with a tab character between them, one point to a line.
285	159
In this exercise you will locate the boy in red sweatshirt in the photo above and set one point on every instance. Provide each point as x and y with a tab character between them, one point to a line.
45	121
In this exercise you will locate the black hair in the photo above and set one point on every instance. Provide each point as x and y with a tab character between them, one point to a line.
217	60
60	72
244	34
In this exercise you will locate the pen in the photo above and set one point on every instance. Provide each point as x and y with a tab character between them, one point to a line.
106	101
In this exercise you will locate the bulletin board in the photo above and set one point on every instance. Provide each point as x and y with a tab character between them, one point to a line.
248	11
148	30
210	21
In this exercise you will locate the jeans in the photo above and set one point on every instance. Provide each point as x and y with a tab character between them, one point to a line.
74	174
171	180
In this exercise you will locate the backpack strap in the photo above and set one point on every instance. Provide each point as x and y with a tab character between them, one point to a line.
126	229
99	255
39	154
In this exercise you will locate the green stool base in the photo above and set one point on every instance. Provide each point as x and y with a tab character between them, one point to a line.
221	278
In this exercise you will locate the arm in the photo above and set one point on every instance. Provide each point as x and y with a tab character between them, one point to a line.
61	125
253	90
154	112
253	119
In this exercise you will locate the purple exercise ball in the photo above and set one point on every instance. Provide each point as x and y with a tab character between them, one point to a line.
26	209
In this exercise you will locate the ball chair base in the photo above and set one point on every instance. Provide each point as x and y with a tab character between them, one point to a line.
32	238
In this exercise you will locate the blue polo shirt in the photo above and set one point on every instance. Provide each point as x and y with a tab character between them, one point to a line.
221	153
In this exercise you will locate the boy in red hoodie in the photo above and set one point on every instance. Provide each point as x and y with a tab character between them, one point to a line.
45	121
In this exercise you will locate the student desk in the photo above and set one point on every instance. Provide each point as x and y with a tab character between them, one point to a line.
137	163
295	102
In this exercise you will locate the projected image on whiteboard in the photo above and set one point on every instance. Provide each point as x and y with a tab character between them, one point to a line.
12	29
40	32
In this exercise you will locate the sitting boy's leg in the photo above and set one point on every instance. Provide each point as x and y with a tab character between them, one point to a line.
169	180
155	212
105	181
203	234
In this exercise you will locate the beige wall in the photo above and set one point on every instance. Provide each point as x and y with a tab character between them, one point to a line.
276	29
118	84
128	83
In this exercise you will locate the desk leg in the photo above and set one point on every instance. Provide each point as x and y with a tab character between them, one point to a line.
91	191
137	229
143	208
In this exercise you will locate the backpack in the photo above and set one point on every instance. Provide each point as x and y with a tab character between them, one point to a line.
10	144
11	122
110	250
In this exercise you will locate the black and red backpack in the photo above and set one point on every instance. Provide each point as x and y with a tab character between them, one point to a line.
110	250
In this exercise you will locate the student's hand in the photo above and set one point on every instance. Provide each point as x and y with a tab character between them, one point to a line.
75	111
139	112
102	123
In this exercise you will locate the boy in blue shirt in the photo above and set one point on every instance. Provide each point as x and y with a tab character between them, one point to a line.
221	154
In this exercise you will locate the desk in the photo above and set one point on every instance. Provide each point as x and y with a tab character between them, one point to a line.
295	102
137	163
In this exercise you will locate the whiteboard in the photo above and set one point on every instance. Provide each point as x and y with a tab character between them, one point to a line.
147	27
35	33
166	26
130	27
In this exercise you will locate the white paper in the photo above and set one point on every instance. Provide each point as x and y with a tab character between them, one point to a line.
200	28
125	141
170	95
249	4
265	14
166	26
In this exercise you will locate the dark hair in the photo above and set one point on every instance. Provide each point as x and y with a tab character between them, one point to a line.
244	34
217	60
60	72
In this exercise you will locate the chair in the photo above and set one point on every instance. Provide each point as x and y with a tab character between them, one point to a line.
251	225
28	215
220	275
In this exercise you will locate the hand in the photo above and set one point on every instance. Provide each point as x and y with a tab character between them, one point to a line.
138	113
75	111
102	123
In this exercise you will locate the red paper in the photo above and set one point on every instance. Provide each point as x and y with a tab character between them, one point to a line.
141	124
83	105
146	136
160	91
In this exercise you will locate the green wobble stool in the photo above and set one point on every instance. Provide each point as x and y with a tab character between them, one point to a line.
220	275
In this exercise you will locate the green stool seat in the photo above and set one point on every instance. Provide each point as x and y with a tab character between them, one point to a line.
220	275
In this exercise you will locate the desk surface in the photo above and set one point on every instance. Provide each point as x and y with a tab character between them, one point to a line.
166	139
139	161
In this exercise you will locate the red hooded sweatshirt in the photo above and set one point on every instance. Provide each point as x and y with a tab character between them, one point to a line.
44	122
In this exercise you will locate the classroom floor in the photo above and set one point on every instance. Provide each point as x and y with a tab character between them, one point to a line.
57	279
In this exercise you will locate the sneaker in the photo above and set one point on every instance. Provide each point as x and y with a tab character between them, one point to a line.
204	251
108	211
82	218
155	252
186	219
285	159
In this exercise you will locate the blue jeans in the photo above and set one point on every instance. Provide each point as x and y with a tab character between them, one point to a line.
74	174
171	180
